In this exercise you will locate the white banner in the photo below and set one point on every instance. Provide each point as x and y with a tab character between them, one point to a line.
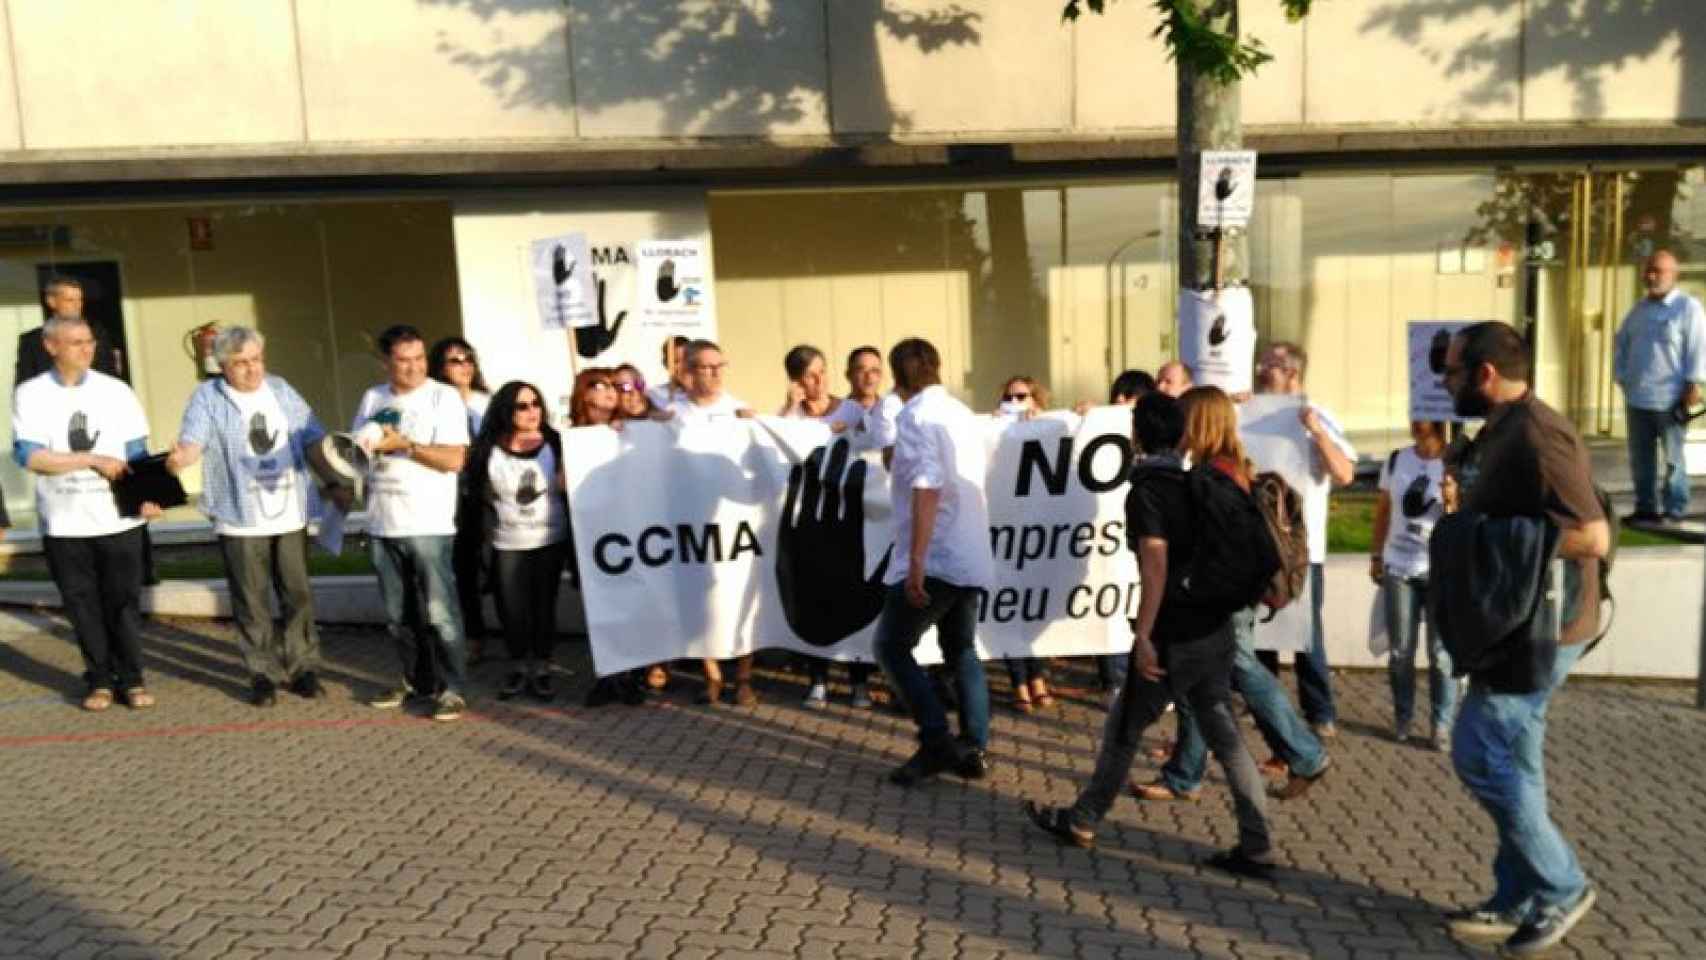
562	281
1429	399
721	539
673	288
1217	338
1272	431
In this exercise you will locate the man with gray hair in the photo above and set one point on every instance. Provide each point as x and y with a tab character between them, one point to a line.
253	430
63	297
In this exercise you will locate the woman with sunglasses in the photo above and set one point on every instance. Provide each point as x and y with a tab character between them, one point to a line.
453	361
517	503
1023	398
633	399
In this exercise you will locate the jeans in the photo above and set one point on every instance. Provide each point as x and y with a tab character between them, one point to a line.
527	583
1406	599
1647	428
953	612
858	674
1197	673
1286	733
1024	670
257	568
1498	748
1314	677
1111	670
100	581
419	590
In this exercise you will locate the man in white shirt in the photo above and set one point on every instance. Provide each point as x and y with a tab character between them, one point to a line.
1281	369
418	430
674	385
940	566
77	429
867	416
254	430
705	401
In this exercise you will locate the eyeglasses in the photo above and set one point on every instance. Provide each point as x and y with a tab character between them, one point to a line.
711	367
1010	397
600	385
528	405
458	361
627	387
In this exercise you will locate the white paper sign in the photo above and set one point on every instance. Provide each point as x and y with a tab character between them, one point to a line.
1217	338
1273	437
1429	399
1226	188
562	281
685	550
672	289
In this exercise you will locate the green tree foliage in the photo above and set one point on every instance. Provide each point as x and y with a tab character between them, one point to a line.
1193	41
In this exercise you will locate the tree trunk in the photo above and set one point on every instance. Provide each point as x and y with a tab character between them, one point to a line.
1209	119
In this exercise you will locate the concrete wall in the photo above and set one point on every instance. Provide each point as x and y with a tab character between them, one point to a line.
312	75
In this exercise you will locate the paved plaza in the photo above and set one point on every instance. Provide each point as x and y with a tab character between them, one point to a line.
207	828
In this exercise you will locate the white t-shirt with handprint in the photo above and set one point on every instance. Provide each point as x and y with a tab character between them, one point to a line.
100	415
1412	486
405	498
263	467
526	493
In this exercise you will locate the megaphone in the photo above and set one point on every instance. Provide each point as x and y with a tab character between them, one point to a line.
339	460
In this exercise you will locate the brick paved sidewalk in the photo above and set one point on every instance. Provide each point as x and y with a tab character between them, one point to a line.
207	828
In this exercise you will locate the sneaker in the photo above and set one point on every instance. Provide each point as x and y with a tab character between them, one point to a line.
974	763
1325	731
861	699
1401	732
514	683
817	698
1546	926
307	686
1239	863
1641	516
930	760
392	698
1296	786
1482	923
1441	740
262	693
1057	821
449	707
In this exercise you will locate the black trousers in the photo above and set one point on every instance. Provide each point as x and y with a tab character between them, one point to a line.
100	580
527	583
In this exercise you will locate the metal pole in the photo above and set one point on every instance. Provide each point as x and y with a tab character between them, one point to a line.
1700	673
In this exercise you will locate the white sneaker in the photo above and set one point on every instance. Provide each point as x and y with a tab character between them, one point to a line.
817	698
861	699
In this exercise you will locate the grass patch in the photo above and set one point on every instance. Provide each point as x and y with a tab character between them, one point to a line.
1350	526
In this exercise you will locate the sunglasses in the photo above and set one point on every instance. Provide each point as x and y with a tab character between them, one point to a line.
600	385
458	361
1010	397
627	387
528	405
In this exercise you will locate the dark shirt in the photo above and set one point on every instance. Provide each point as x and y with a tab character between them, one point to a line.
33	359
1159	505
1528	461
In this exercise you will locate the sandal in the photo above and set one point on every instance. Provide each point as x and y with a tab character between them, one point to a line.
98	699
138	698
1057	821
1023	703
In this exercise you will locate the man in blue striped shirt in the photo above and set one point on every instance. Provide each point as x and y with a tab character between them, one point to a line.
1660	362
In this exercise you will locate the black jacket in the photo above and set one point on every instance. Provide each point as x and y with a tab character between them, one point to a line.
1495	597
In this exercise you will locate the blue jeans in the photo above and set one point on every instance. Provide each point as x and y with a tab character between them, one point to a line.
418	586
1498	748
1286	733
1406	598
1646	429
953	612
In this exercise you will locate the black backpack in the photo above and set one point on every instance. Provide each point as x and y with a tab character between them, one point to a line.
1234	559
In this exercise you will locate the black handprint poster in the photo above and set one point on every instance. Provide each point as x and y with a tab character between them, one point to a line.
1217	337
673	290
563	289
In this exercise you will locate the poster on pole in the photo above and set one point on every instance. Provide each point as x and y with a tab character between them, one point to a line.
673	288
1226	188
1428	342
1272	432
562	281
1217	337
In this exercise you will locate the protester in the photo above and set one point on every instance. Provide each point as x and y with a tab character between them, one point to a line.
63	297
250	431
1181	651
941	563
676	371
454	362
1659	359
867	416
418	431
631	394
704	400
1281	369
808	385
1023	398
1173	379
1128	388
1404	516
77	429
1527	462
518	504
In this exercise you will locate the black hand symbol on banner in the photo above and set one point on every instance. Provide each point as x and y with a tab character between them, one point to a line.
561	268
1224	185
666	281
1217	331
592	341
820	553
528	490
1416	499
260	440
77	435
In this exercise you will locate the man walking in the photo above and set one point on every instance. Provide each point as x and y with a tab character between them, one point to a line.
77	429
253	429
418	429
1659	359
941	563
1527	462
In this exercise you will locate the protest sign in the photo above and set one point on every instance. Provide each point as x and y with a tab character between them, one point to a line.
562	281
672	289
1428	341
1273	437
1226	188
1217	337
686	548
